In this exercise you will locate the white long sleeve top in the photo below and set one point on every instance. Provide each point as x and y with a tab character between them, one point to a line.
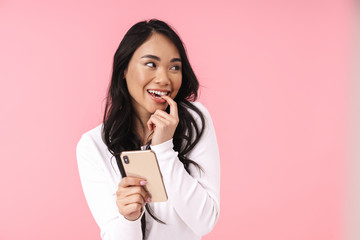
193	204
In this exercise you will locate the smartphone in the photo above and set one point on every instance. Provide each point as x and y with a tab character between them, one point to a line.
143	164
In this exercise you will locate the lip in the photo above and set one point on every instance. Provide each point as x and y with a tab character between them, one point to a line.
158	100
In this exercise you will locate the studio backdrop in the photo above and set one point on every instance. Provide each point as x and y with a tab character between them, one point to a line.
274	75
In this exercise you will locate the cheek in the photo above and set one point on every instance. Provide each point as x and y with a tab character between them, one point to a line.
179	82
137	79
144	78
177	85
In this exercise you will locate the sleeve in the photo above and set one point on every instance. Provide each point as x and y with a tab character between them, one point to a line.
100	195
195	197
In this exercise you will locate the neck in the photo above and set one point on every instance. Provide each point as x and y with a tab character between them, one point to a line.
141	129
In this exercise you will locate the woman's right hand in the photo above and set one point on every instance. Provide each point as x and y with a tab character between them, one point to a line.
131	197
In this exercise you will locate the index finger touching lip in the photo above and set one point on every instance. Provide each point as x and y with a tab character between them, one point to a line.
173	106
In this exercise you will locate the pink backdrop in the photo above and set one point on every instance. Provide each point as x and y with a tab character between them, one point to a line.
274	76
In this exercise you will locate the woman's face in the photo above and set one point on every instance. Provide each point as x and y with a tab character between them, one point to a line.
153	70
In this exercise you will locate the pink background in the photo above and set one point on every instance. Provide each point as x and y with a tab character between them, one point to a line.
274	76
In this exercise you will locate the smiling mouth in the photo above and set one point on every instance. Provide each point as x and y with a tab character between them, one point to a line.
158	94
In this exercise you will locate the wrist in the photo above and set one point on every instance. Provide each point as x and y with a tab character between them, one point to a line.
164	144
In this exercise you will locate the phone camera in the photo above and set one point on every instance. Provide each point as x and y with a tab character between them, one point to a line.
126	159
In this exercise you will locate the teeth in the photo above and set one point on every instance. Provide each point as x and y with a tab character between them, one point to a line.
158	92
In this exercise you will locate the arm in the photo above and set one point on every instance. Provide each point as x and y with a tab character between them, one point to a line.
101	195
195	197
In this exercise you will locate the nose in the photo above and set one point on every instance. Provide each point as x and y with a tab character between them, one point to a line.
162	77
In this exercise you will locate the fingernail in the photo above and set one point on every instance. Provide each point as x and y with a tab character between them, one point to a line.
148	200
143	183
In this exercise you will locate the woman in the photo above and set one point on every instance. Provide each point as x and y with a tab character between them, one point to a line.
150	104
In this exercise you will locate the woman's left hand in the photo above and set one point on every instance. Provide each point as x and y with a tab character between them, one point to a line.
164	124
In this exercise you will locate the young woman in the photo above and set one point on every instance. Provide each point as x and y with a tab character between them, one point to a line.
151	105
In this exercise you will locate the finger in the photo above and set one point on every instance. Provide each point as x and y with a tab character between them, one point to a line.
173	106
163	117
151	123
155	121
137	190
124	193
166	118
141	198
135	198
162	114
131	208
132	181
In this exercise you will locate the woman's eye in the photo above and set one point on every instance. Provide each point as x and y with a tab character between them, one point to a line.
150	64
175	68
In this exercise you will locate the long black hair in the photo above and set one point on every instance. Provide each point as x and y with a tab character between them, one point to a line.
119	118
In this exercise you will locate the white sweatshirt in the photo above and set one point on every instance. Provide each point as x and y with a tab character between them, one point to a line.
193	204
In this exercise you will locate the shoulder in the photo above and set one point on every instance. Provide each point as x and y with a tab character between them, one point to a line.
205	119
92	151
201	108
91	140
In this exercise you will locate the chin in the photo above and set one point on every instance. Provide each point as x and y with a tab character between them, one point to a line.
153	109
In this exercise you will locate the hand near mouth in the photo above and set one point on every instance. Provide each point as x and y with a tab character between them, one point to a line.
164	124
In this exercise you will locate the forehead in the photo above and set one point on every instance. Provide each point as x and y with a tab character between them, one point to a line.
158	45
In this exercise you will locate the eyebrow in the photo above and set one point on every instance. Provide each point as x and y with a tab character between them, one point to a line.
158	59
